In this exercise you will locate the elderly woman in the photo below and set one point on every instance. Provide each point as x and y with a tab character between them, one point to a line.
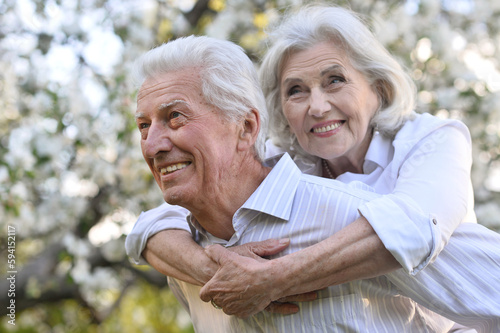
343	108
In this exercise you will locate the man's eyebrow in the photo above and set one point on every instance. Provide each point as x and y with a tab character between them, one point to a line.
166	106
162	107
139	115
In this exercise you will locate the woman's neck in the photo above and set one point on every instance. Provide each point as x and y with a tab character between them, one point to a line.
352	161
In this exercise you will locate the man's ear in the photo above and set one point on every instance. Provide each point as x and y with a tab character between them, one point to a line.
249	130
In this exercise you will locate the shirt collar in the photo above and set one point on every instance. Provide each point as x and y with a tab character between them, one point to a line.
379	154
274	196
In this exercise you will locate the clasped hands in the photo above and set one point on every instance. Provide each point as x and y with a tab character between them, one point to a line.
246	283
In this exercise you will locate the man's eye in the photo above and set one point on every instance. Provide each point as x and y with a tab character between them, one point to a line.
143	126
177	119
175	114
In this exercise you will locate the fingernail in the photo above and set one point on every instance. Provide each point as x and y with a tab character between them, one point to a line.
284	240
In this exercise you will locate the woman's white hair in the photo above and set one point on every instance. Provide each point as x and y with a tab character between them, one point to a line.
315	24
229	78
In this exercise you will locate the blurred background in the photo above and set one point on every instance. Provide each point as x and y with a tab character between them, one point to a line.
72	178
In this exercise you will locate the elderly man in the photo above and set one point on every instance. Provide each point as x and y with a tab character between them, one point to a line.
199	111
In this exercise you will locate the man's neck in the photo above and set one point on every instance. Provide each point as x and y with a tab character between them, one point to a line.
216	215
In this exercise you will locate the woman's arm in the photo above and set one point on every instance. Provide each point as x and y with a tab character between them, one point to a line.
431	191
243	286
461	284
407	228
174	253
163	237
150	223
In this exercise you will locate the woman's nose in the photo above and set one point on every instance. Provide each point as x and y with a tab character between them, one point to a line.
319	103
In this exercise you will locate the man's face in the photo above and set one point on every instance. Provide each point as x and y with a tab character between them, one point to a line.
186	144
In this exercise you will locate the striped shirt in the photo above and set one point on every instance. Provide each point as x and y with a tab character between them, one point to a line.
308	209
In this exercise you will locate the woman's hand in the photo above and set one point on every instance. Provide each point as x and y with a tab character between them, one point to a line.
255	250
174	253
246	284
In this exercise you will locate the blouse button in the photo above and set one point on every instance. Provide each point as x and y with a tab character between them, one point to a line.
434	221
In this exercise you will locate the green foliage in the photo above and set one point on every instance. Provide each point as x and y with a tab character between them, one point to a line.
144	308
148	309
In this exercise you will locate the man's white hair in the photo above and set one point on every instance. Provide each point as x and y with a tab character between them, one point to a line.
229	78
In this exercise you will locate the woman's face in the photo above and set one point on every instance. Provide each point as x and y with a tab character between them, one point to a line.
327	103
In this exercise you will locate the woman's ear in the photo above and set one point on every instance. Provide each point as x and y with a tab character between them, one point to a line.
249	130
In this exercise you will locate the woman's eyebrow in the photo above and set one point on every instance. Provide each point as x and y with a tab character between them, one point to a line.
325	71
332	68
291	79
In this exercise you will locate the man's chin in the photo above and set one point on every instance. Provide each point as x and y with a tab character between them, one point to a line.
173	198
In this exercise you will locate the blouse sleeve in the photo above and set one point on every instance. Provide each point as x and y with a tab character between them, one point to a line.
462	284
430	198
151	222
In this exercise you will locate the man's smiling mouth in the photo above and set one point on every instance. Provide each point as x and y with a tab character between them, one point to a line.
174	167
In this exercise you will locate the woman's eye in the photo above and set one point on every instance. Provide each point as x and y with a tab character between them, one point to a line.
294	90
336	79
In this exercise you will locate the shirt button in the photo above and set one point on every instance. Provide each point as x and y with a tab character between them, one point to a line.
434	221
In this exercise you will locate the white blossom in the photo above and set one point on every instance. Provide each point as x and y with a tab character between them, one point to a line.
80	248
67	104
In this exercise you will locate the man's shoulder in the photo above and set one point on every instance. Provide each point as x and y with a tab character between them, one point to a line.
354	189
286	172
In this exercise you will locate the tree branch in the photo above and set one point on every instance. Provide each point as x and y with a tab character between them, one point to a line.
42	268
197	12
54	287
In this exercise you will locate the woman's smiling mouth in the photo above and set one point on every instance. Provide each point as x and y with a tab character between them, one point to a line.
327	128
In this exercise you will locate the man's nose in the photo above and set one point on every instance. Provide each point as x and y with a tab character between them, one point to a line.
319	103
158	140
